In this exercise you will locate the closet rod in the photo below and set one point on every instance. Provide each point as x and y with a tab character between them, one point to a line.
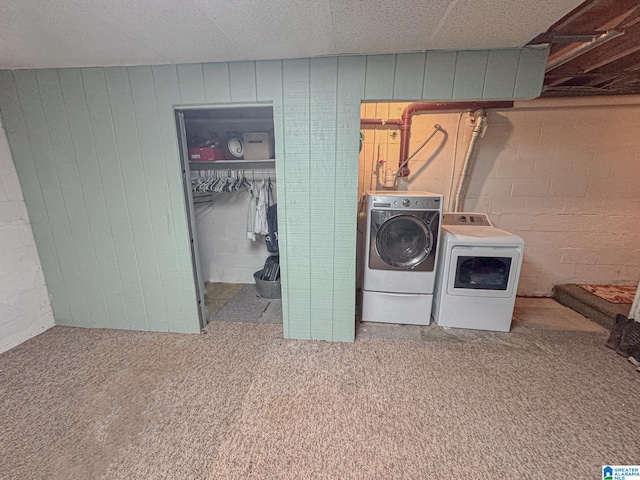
233	173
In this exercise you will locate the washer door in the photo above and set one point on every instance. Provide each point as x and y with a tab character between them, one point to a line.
404	241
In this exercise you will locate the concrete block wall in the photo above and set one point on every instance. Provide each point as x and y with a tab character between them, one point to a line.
563	174
25	310
226	255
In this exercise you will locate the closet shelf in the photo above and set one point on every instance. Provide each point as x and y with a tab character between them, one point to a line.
222	164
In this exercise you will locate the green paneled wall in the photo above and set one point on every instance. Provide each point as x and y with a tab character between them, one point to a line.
97	157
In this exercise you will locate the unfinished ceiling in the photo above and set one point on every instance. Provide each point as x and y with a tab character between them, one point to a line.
66	33
595	50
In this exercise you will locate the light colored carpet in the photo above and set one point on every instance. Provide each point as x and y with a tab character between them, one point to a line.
239	402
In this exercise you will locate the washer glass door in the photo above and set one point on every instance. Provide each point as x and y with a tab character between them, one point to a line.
404	241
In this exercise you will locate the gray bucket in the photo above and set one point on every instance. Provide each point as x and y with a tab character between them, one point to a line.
267	288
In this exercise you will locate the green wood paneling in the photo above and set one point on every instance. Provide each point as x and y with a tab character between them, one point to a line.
269	81
50	184
16	129
323	128
90	181
216	82
530	75
380	75
471	67
502	66
269	88
296	215
97	156
167	92
153	165
118	217
191	82
439	72
409	77
351	85
242	77
73	194
136	188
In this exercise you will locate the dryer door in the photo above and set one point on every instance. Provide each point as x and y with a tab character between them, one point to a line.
483	271
404	241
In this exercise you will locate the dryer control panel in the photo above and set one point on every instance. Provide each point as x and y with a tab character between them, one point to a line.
468	219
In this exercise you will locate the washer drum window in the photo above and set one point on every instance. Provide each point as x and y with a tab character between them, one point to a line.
404	241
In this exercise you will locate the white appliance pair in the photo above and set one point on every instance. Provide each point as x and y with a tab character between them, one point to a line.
465	272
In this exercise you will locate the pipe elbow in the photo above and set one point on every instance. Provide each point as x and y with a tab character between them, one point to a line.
404	172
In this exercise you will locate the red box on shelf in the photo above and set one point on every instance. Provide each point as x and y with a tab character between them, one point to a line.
205	154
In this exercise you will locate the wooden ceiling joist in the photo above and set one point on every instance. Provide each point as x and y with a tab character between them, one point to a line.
626	64
590	15
616	49
609	66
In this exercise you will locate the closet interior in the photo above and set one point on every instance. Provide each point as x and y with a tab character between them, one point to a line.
228	166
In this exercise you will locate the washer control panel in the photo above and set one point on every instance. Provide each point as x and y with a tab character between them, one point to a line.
397	202
469	219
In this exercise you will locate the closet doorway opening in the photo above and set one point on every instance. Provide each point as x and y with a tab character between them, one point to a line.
229	178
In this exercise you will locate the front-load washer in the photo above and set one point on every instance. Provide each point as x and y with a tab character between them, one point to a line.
479	268
400	256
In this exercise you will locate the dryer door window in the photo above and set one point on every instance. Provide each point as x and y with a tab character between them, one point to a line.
483	271
404	241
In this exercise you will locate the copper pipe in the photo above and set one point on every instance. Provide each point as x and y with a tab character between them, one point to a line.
377	121
424	107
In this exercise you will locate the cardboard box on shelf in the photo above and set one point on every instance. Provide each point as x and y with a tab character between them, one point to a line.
257	146
205	154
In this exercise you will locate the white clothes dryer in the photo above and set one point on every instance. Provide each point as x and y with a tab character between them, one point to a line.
478	274
400	256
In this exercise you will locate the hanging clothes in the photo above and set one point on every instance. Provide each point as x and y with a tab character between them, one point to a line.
272	220
261	227
251	215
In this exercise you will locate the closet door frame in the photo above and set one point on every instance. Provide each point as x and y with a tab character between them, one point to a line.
203	315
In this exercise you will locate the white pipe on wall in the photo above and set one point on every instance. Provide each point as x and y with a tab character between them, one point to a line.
461	191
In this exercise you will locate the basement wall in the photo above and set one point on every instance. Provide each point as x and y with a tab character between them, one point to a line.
25	310
226	255
97	156
563	174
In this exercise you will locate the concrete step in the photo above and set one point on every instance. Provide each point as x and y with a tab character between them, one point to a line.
588	304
